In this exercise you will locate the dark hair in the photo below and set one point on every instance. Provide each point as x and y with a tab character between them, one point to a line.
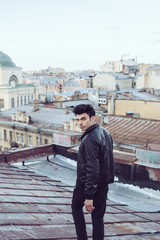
84	108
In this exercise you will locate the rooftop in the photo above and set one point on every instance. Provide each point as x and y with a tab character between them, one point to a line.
34	206
133	131
44	116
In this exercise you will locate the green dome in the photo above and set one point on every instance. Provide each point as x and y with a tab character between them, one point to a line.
6	61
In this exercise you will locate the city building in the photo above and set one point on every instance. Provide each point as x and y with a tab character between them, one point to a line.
152	77
113	81
144	108
121	66
13	93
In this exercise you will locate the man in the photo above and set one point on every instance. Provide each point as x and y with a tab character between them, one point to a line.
94	172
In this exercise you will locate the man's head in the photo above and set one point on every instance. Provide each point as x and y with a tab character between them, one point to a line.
85	114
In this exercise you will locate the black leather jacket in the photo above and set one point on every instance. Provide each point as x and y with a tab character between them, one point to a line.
95	160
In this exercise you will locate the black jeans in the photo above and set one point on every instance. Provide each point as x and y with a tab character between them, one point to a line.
99	202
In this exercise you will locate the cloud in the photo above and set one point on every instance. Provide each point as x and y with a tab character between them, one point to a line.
153	42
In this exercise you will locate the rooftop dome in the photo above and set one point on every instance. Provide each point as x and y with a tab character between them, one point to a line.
6	61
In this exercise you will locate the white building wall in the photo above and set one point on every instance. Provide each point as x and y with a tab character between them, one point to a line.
124	83
111	66
153	80
104	81
7	72
140	82
19	93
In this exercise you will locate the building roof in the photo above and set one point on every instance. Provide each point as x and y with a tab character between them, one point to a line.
133	131
81	90
145	96
34	206
121	76
155	67
49	81
6	61
71	83
44	116
137	94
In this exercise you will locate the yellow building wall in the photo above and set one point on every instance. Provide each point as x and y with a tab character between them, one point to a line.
146	109
6	143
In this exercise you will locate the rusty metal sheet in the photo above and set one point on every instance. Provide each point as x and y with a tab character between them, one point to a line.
21	181
37	219
33	208
129	130
37	208
34	200
125	158
112	203
18	176
133	237
52	232
113	210
123	217
22	154
125	209
34	193
35	187
152	216
131	228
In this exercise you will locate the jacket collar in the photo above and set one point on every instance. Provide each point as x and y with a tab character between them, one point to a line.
89	130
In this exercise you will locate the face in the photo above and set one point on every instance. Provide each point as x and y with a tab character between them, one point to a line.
84	121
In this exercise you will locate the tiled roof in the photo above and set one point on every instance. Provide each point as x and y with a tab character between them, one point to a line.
33	206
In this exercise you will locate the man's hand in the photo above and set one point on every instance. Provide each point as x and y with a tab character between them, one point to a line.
89	205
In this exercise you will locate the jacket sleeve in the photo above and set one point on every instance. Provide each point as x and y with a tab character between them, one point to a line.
92	150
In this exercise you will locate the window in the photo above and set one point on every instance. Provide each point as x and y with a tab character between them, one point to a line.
22	139
18	137
45	141
5	135
10	136
17	101
25	100
12	102
37	141
13	78
21	101
30	141
1	103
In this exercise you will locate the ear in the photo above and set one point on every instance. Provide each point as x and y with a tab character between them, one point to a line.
93	119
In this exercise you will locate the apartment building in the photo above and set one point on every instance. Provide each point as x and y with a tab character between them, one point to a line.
113	81
28	126
123	66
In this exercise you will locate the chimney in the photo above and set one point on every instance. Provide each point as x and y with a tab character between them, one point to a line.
66	110
35	106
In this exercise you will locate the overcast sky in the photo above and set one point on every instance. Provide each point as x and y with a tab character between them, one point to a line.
79	34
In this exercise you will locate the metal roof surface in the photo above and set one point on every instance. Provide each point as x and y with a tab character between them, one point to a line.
134	131
44	116
33	206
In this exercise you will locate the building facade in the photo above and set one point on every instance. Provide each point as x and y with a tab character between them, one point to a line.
139	108
112	81
13	93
